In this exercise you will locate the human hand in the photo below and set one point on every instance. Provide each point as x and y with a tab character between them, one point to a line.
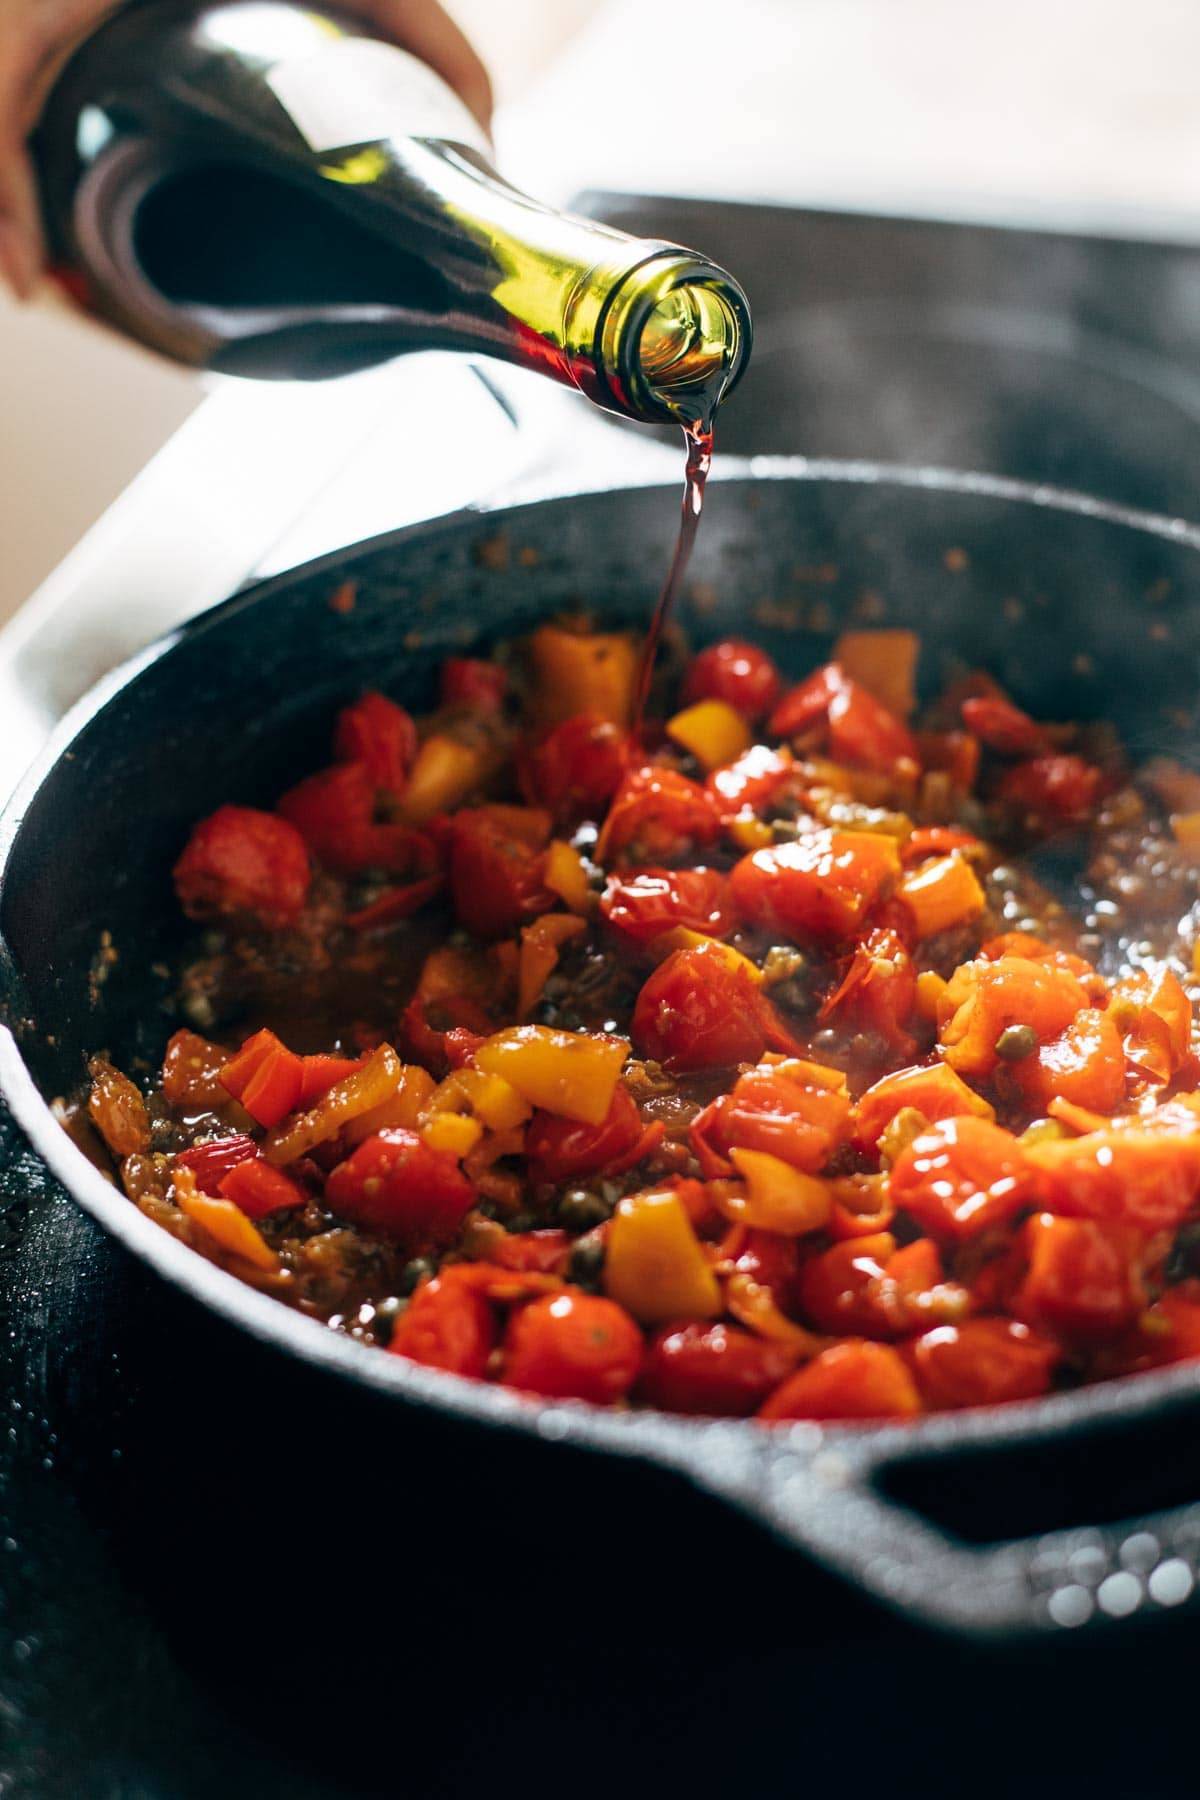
35	36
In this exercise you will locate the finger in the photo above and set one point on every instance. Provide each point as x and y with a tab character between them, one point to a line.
426	29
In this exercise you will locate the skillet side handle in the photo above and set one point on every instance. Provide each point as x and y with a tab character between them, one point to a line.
820	1490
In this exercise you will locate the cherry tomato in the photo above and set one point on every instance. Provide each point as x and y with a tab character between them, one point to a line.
962	1177
699	1011
191	1072
847	1289
560	1149
660	816
932	1089
1058	788
739	673
806	705
983	998
878	991
573	1346
448	1324
819	887
852	1380
576	768
496	866
773	1112
395	1184
748	783
982	1362
717	1369
644	903
258	1189
380	735
1086	1066
864	734
1003	727
469	681
239	860
1148	1179
334	812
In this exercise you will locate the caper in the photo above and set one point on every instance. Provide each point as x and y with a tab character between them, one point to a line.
415	1271
586	1262
520	1221
783	963
580	1210
1016	1042
386	1314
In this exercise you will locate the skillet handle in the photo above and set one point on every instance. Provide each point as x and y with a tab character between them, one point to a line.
822	1491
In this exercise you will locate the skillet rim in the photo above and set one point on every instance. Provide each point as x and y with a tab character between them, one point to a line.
646	1433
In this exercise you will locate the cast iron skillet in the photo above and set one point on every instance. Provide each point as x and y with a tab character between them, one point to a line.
1080	608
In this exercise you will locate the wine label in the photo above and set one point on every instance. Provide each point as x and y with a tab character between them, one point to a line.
359	91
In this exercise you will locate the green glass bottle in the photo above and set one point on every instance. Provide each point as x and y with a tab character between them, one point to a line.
271	190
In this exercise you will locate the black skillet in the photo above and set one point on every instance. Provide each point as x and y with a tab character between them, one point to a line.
992	1522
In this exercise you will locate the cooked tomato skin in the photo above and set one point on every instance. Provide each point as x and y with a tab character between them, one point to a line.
769	1112
1002	726
878	990
1058	788
559	1149
734	671
334	812
395	1184
572	1346
852	1380
963	1177
470	681
1082	1279
212	1161
817	888
642	904
982	1362
448	1324
496	867
660	814
380	735
575	768
697	1012
242	861
718	1369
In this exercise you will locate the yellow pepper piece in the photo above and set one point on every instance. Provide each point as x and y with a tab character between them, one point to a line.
942	893
566	876
749	833
402	1110
1186	827
224	1222
777	1198
654	1266
714	732
583	672
443	776
452	1132
493	1099
540	945
682	937
885	662
930	988
570	1073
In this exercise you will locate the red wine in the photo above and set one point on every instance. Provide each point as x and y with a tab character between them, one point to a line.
698	442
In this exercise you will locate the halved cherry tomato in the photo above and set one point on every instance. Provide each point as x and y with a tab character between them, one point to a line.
878	991
982	1362
962	1177
240	860
448	1324
334	812
1085	1065
575	768
739	673
1082	1278
643	904
259	1189
807	704
1147	1179
660	816
496	868
573	1346
749	782
932	1089
983	998
819	887
1003	727
790	1112
851	1380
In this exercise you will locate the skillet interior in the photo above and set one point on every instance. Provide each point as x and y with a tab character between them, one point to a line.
1081	611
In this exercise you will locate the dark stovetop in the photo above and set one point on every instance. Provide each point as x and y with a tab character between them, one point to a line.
201	1587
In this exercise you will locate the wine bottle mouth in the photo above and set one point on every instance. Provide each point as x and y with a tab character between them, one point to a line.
674	338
